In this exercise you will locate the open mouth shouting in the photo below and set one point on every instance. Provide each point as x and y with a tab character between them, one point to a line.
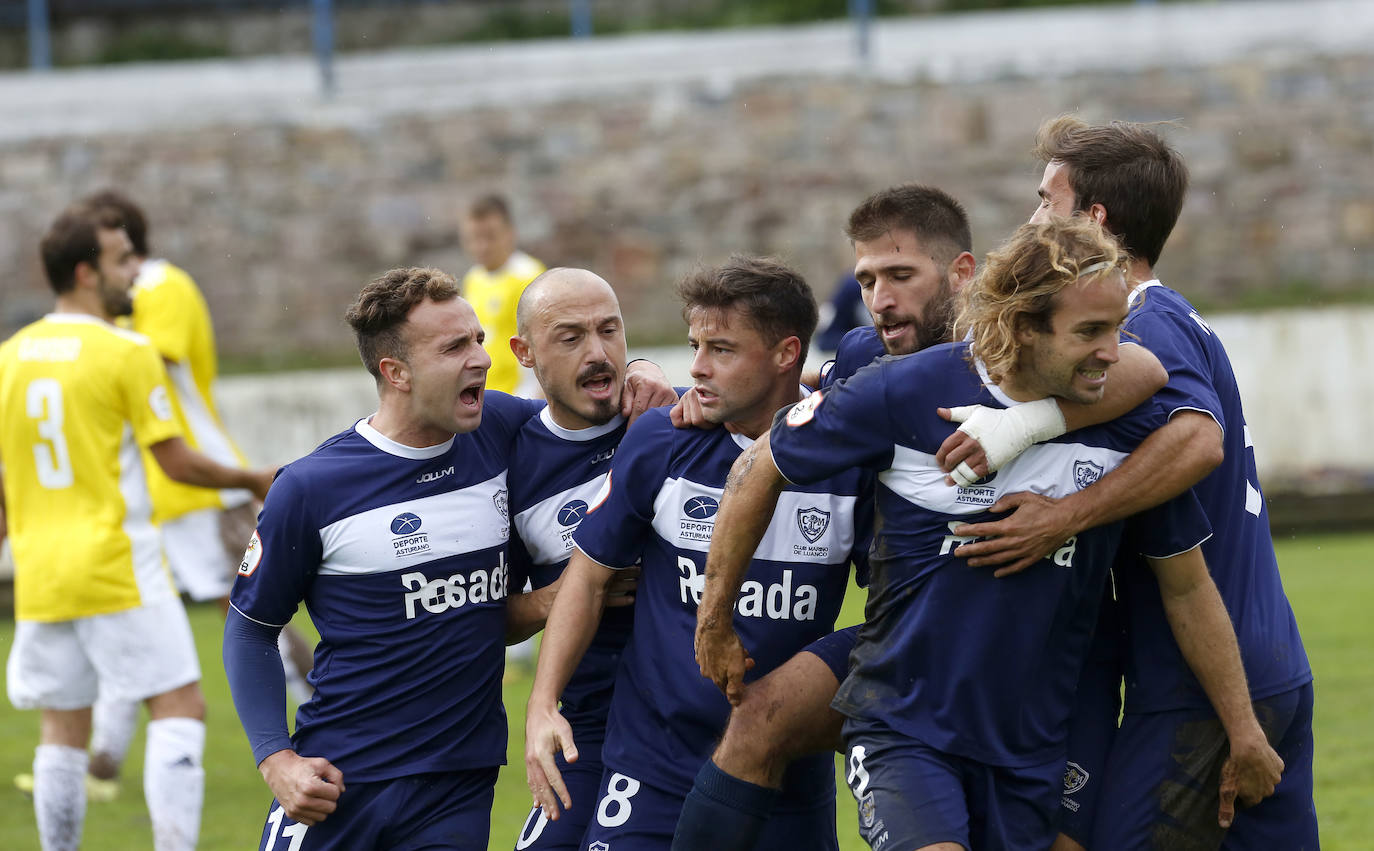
470	397
598	382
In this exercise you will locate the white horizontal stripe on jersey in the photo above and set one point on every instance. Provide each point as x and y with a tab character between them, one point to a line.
541	526
417	531
806	527
1050	469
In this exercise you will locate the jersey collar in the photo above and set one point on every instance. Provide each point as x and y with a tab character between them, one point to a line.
578	435
1134	298
400	450
993	388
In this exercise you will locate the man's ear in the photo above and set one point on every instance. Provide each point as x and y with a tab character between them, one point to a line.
521	349
395	373
1098	213
961	270
788	353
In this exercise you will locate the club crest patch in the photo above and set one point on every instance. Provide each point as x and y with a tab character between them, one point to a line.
1075	778
1085	473
500	498
867	811
812	522
803	411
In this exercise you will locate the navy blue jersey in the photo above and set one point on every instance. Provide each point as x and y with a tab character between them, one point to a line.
1240	556
657	509
857	349
964	662
400	556
554	476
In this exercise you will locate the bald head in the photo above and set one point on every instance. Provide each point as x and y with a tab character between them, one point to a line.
569	331
542	297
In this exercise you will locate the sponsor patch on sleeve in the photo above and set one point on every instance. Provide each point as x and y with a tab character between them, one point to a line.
252	556
160	403
803	411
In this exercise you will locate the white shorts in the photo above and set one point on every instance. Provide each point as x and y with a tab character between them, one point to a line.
196	555
130	655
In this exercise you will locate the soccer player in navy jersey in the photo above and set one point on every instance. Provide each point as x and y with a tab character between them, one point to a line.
394	534
913	255
959	689
749	322
571	334
1171	738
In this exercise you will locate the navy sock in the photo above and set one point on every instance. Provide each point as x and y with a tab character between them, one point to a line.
722	813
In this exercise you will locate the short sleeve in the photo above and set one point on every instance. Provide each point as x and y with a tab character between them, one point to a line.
1168	529
164	314
833	430
1176	341
620	520
148	398
283	555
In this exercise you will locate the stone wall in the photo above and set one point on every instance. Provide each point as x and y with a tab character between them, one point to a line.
639	157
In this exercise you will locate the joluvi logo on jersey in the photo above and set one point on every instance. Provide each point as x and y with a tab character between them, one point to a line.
408	540
698	523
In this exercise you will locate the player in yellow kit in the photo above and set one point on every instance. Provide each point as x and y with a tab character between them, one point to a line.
204	531
95	609
494	283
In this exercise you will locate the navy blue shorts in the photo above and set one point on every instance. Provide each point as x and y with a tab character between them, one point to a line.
1164	773
634	816
834	649
448	810
911	795
1092	726
583	779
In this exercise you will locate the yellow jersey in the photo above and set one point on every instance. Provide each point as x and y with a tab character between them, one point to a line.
170	311
494	296
78	399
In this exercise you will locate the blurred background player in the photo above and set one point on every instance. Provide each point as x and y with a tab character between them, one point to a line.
204	530
494	283
95	611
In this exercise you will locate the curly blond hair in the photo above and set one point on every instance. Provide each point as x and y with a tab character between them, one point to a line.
1017	283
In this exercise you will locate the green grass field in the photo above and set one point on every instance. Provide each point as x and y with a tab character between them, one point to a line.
1329	580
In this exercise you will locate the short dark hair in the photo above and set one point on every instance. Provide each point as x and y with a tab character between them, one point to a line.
774	298
938	220
73	238
1127	168
380	310
130	215
489	205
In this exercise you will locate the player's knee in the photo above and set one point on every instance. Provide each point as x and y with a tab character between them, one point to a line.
187	701
754	744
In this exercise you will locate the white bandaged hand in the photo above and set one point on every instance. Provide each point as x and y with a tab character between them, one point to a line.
1005	433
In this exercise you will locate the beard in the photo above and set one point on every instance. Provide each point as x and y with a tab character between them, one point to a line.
935	325
116	301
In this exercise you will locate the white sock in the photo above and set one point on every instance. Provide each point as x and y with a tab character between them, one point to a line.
59	795
174	781
112	728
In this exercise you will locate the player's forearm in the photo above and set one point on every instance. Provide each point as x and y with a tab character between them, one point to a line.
1204	633
1137	376
528	611
1177	456
746	508
257	683
183	464
572	621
